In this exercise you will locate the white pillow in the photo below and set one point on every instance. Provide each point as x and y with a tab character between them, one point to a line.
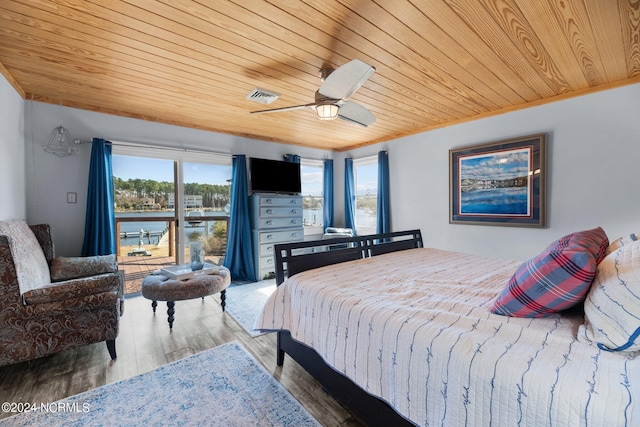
612	307
31	265
622	241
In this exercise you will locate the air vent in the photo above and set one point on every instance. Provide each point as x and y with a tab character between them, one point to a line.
262	96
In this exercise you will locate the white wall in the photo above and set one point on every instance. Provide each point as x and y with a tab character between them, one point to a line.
593	156
593	152
49	178
13	203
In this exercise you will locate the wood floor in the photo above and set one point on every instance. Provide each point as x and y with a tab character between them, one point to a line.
145	343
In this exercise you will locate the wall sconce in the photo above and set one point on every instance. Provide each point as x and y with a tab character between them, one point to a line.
60	145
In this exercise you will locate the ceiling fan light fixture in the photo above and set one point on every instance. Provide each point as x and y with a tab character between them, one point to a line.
327	111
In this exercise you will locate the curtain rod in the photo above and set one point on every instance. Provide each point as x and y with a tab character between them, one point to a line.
160	147
156	147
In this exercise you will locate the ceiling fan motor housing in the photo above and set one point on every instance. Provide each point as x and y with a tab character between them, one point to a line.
324	73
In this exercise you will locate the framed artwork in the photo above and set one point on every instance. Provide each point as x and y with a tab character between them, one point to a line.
500	183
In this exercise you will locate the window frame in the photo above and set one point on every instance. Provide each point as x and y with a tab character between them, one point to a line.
179	157
316	230
358	163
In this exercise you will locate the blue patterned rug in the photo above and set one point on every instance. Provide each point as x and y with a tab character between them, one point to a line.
223	386
245	300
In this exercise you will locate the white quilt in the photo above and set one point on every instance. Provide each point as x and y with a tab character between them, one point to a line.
414	328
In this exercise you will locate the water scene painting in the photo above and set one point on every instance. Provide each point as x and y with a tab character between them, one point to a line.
495	184
499	183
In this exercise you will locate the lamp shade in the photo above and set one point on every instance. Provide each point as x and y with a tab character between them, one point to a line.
327	111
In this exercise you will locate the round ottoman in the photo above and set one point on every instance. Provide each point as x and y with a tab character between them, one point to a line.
158	287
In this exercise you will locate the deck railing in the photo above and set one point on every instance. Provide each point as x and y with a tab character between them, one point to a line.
171	228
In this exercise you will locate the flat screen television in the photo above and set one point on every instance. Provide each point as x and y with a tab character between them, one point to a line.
274	176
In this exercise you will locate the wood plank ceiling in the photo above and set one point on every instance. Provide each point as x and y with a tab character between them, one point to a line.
438	62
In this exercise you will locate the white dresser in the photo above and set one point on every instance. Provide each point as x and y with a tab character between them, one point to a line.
274	219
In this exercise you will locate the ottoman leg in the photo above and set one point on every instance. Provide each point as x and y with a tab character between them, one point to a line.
154	304
170	312
223	299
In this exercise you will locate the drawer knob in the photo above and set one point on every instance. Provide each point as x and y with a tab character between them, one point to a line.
268	201
294	221
294	234
269	236
269	222
294	211
269	211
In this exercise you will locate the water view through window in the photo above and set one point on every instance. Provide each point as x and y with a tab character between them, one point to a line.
145	189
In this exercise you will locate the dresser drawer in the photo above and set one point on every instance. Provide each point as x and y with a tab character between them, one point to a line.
275	222
270	212
266	249
291	235
267	263
280	201
266	268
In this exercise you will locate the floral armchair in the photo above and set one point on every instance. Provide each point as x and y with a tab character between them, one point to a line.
50	304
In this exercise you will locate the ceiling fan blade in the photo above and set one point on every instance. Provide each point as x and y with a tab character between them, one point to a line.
277	110
356	113
345	81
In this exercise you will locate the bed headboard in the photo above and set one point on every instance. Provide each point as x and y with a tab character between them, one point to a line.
292	258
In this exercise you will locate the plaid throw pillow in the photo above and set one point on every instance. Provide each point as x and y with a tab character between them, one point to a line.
555	280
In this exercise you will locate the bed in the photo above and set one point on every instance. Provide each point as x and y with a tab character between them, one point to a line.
405	335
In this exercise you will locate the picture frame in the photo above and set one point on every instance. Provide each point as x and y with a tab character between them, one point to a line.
499	183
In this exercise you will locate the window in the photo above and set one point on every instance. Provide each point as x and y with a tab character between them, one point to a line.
187	191
366	186
206	204
311	176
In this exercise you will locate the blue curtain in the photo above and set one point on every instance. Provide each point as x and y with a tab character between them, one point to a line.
239	256
383	224
292	158
349	196
100	222
327	194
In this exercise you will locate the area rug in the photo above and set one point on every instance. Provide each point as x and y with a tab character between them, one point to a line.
223	386
245	300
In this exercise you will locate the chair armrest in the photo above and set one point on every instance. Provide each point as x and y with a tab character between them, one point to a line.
65	268
73	289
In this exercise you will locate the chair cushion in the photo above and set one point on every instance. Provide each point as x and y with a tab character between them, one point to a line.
32	269
556	279
65	268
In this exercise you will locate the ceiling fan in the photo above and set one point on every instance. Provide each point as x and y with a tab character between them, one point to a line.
332	99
